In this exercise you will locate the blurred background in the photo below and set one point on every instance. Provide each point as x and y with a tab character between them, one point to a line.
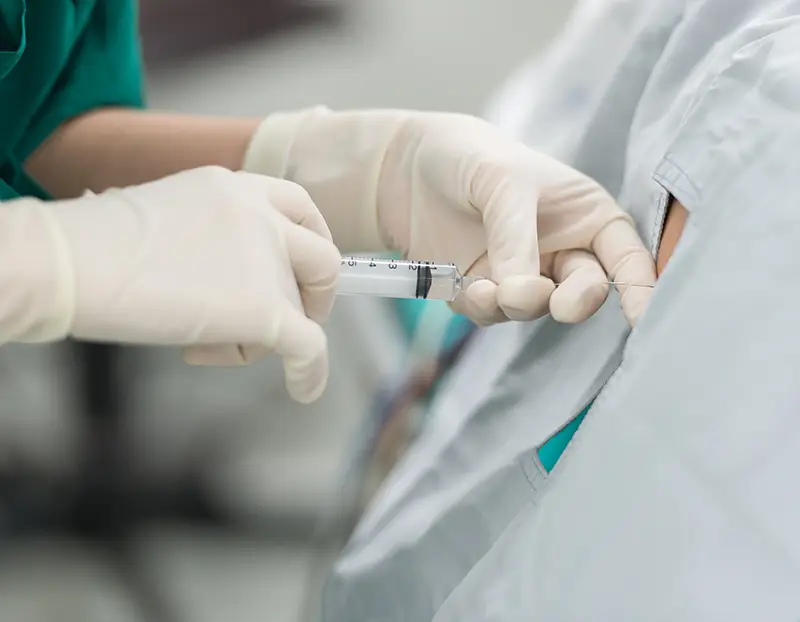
134	488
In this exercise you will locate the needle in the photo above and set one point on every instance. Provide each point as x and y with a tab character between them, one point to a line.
625	284
466	281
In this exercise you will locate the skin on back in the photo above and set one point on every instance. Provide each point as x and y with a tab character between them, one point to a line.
673	228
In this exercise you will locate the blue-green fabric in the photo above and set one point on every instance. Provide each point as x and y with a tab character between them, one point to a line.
409	312
458	328
550	453
59	59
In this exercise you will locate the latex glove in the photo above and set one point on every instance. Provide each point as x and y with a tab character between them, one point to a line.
233	264
450	188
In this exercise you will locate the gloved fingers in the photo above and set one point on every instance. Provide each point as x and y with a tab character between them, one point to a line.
230	355
516	298
206	355
479	304
526	297
479	301
626	261
296	204
315	261
507	202
252	352
583	286
304	347
521	298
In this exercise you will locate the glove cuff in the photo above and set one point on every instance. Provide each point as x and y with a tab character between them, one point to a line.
37	278
271	146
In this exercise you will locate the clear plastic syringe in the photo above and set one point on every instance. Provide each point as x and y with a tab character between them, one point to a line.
398	278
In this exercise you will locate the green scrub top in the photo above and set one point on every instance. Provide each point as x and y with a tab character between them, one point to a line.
59	59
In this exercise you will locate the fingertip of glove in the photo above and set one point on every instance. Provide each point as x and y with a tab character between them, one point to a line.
570	305
635	308
307	397
479	304
306	382
306	373
524	297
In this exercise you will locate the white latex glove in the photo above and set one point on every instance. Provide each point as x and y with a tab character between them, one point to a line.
450	188
233	264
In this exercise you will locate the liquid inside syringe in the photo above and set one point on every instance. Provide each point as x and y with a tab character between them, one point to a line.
397	278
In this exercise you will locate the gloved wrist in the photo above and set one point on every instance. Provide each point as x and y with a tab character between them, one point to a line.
271	145
337	157
37	276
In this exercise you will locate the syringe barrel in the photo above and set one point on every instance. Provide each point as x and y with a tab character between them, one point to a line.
389	278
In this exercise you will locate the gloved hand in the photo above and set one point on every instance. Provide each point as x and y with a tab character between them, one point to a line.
231	264
450	188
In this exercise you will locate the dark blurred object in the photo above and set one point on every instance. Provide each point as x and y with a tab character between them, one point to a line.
173	29
103	503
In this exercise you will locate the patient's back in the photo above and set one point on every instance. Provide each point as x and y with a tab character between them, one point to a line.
676	481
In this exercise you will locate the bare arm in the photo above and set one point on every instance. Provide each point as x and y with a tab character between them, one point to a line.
120	147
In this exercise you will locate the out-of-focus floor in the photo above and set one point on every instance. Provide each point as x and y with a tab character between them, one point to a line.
281	458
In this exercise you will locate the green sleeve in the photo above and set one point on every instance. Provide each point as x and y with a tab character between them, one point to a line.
103	68
7	192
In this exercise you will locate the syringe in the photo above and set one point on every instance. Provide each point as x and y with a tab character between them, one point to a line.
399	278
